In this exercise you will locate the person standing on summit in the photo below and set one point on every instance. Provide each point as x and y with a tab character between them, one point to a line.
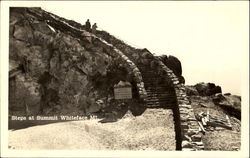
87	25
94	28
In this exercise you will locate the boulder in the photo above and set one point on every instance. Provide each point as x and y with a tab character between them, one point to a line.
207	89
173	63
191	90
230	103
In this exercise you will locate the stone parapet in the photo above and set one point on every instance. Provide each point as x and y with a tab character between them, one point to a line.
191	138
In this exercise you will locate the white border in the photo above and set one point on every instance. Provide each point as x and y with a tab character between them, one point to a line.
77	153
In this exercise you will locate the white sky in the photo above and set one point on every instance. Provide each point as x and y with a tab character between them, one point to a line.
209	38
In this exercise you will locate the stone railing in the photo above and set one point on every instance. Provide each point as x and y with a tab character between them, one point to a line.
62	25
128	50
187	131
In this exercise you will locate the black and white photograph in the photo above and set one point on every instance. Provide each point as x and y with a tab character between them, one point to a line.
129	78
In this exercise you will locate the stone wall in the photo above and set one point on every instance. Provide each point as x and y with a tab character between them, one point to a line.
187	131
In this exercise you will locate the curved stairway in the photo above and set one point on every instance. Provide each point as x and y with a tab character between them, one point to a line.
159	94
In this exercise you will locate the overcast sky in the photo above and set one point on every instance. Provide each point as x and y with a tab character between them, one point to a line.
209	38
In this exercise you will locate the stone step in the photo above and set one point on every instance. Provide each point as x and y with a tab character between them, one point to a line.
162	93
160	97
153	78
170	105
143	66
159	92
156	89
159	86
170	94
148	84
154	84
155	99
160	105
160	100
149	73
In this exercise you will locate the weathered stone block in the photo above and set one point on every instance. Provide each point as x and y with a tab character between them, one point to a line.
198	143
196	138
186	137
192	118
186	144
180	102
191	132
184	125
184	117
185	106
199	147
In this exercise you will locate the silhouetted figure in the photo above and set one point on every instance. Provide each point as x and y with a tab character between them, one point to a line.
94	28
87	25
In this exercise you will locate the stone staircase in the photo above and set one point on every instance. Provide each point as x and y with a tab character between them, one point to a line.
161	84
158	93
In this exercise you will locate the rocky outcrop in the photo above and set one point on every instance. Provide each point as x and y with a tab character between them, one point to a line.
174	64
230	103
203	89
191	91
223	131
64	70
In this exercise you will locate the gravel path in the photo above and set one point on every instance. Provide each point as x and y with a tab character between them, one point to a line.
153	130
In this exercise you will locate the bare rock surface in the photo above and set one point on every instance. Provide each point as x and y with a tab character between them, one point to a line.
62	72
230	103
203	89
